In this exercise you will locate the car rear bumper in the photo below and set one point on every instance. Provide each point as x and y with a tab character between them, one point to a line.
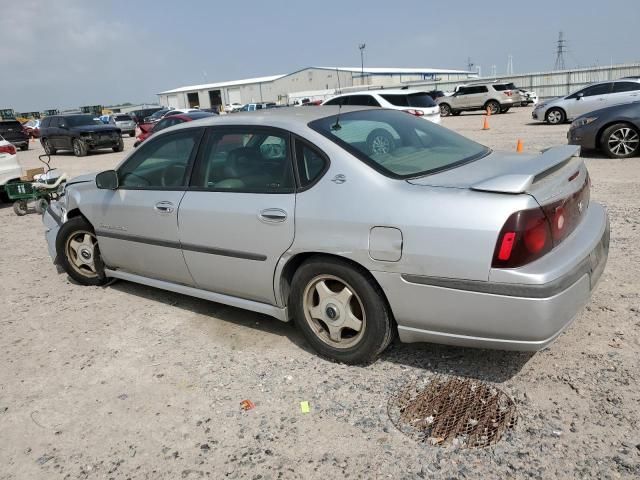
498	314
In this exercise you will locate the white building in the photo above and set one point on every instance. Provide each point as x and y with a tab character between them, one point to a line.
279	88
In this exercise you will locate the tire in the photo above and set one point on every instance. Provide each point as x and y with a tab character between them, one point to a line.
48	149
555	116
78	252
25	147
366	305
620	140
120	146
504	110
456	113
135	145
132	134
380	142
79	148
20	208
492	106
445	110
41	205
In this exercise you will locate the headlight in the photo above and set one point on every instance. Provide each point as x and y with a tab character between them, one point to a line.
581	122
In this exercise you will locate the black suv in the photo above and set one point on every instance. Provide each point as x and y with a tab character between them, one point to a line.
13	131
80	133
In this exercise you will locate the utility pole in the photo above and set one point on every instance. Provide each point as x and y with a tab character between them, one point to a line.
561	49
362	46
493	71
470	65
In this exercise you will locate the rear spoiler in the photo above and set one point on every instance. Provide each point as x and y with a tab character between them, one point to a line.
525	174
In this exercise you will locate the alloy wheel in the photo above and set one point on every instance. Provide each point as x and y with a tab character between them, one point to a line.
554	117
380	145
334	311
81	250
623	141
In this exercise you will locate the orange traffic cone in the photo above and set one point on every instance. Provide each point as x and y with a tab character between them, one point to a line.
519	146
485	125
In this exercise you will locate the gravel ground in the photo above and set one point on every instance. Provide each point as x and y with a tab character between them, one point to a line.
131	382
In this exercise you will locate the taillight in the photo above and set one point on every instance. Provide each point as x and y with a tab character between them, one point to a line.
417	113
525	237
10	149
529	234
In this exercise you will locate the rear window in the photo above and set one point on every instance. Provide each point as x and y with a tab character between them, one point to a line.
501	87
419	100
398	145
197	115
81	120
123	118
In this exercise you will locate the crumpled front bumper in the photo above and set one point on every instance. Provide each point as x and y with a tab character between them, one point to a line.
53	219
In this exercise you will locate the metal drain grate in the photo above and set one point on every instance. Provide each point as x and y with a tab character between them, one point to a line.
459	412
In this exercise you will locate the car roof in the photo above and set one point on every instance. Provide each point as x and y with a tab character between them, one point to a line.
383	91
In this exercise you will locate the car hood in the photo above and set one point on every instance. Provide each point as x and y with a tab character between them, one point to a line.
87	177
96	128
623	112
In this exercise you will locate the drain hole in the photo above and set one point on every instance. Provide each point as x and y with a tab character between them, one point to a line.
463	413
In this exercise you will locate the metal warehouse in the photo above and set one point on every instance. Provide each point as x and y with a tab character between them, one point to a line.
278	88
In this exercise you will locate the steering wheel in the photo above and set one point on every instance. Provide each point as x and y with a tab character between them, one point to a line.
172	175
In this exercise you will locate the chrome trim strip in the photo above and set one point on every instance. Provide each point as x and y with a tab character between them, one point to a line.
187	247
592	265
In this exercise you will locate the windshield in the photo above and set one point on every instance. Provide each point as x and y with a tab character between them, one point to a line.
81	120
123	118
397	144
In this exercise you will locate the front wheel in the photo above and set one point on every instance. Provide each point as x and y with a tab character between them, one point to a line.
132	134
120	146
620	141
445	110
555	116
79	148
380	142
20	208
41	205
79	253
341	311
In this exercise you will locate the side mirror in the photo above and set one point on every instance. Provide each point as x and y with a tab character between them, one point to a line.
579	96
107	180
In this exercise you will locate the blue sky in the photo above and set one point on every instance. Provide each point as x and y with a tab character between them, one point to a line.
67	53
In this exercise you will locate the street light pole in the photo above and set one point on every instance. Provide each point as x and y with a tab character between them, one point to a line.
362	46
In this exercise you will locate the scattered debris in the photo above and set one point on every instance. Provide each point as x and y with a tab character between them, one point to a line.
304	407
247	405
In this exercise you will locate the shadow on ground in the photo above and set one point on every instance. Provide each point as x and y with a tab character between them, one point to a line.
488	365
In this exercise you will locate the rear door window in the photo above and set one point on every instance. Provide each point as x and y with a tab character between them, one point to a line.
601	89
311	163
619	87
336	101
362	101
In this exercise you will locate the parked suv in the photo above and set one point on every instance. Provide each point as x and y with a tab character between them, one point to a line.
79	133
124	122
495	97
13	131
415	102
594	97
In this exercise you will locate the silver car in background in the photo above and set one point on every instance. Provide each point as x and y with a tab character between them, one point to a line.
594	97
356	223
124	122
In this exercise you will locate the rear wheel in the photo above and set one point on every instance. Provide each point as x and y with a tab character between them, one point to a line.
445	110
20	208
493	107
340	310
132	134
48	149
504	110
41	205
555	116
120	146
79	148
79	254
620	141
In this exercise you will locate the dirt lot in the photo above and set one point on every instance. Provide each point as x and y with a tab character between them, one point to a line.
131	382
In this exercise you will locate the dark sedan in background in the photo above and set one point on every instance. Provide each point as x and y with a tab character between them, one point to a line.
615	131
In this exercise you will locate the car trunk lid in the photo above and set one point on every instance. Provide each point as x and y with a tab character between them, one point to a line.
554	173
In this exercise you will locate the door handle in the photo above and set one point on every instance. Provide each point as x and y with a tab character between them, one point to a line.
164	207
272	215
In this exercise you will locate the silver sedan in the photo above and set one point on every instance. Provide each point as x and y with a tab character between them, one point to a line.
358	224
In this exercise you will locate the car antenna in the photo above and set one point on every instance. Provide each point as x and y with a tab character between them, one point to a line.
337	125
